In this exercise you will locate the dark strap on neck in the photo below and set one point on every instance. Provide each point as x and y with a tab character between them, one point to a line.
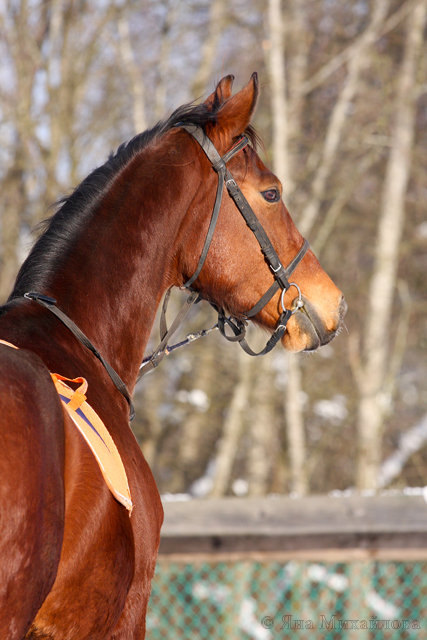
50	303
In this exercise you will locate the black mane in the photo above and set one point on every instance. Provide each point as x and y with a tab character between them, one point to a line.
60	230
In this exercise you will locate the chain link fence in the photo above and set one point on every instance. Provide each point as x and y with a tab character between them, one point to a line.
273	599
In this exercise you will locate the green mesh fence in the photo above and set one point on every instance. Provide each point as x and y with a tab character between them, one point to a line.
243	600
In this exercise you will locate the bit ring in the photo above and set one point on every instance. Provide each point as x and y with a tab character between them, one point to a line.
299	302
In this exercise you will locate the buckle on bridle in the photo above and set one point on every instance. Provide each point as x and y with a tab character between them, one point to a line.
278	268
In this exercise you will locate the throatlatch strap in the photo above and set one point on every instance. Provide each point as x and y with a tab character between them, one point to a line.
50	303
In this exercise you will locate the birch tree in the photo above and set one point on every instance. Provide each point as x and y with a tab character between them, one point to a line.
217	12
371	373
48	51
282	167
338	117
234	423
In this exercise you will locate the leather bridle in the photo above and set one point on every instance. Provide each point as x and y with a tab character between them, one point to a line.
280	273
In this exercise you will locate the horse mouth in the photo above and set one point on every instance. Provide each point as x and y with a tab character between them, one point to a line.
311	328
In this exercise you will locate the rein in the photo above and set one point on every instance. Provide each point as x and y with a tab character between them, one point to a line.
280	273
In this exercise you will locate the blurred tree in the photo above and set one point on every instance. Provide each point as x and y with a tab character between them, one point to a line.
282	124
79	78
234	423
372	369
48	49
338	118
215	26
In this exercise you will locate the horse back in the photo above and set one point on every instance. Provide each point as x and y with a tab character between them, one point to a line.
31	488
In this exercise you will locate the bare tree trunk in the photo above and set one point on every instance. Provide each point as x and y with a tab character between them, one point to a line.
282	167
295	428
215	26
232	429
296	34
12	206
134	75
263	428
56	84
194	428
172	9
16	108
279	108
372	376
339	116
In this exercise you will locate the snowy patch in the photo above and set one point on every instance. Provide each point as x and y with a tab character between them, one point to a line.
175	497
249	621
333	410
205	590
196	397
383	609
409	442
421	231
240	487
203	485
335	581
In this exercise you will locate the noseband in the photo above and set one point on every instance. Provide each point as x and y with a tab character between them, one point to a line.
280	273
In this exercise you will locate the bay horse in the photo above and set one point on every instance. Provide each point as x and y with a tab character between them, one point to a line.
73	564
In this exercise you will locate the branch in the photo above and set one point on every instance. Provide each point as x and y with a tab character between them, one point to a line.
340	201
401	338
354	359
339	117
134	75
345	56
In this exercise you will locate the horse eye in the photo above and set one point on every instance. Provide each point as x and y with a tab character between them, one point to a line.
271	195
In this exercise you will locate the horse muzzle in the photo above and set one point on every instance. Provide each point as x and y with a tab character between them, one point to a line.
307	330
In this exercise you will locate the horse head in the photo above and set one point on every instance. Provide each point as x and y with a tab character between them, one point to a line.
235	274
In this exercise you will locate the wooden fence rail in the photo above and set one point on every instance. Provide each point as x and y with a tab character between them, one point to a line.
388	527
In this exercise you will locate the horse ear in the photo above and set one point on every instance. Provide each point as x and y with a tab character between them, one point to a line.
234	115
221	94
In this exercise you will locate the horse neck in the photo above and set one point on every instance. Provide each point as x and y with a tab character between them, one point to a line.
124	260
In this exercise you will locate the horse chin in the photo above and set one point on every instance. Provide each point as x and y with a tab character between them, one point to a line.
306	331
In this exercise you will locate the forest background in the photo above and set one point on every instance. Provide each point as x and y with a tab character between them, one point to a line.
343	118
